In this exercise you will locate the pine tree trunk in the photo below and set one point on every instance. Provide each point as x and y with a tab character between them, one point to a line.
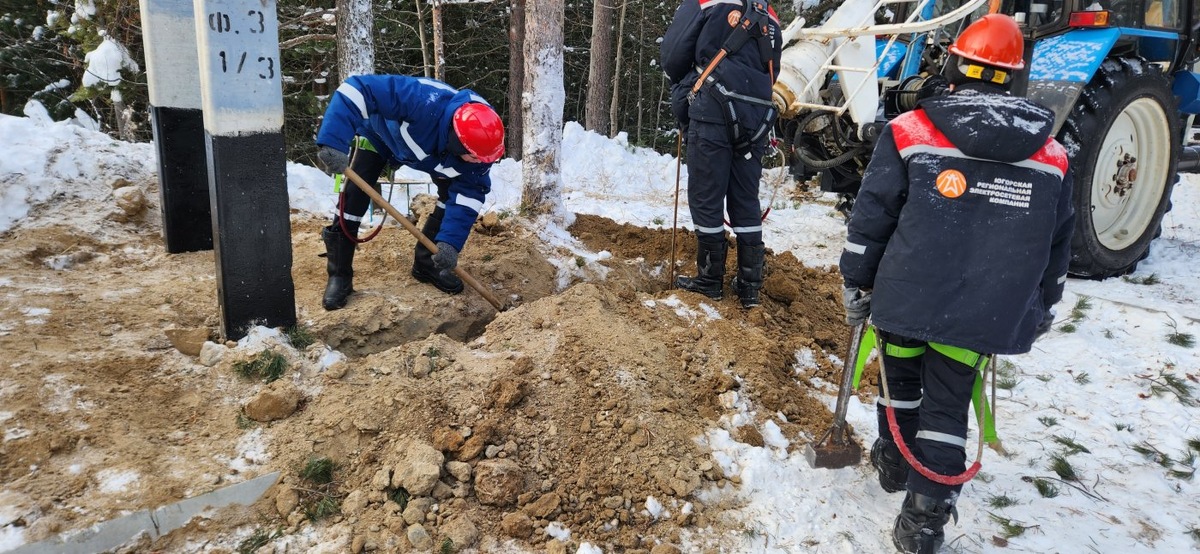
543	102
616	91
600	68
516	80
355	40
425	63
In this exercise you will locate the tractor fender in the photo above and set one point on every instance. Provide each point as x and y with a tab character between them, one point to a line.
1063	64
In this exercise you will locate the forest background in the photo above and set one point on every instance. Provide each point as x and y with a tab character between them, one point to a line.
611	75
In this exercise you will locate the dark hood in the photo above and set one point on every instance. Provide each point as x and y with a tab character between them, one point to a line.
991	126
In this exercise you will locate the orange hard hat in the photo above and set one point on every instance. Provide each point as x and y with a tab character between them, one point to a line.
993	39
480	131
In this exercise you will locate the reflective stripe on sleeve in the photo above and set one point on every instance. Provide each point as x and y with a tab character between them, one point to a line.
710	230
355	97
855	248
447	171
1062	279
744	230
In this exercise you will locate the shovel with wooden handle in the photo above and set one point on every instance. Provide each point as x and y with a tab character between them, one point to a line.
837	448
462	274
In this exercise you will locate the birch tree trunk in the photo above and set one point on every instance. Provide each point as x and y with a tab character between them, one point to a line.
600	68
355	39
516	81
543	102
613	108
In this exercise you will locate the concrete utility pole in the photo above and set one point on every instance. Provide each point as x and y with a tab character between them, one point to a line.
173	76
242	100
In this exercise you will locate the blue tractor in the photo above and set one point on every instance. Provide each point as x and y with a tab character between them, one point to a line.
1117	73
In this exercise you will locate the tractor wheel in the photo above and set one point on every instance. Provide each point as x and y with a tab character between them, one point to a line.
1123	141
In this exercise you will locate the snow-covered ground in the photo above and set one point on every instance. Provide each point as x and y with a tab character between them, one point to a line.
1100	381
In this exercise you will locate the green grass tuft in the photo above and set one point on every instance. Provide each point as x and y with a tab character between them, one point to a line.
580	261
1194	532
399	496
318	471
1072	447
1079	311
1067	328
447	546
1185	340
1060	466
1011	528
1045	488
1194	444
257	540
1082	378
321	509
1151	279
1123	426
244	422
1048	421
299	336
1001	501
267	365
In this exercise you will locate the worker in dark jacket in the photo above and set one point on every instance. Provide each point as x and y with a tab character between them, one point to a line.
722	56
453	135
957	248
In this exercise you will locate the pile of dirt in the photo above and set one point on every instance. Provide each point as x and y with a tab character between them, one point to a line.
447	423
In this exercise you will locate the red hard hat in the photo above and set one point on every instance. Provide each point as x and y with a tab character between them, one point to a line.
480	131
993	39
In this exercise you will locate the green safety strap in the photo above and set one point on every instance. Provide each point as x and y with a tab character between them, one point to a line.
983	412
864	350
893	350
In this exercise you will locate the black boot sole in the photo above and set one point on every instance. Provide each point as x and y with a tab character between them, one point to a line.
432	280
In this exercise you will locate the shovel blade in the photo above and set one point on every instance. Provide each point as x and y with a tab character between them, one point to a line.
831	455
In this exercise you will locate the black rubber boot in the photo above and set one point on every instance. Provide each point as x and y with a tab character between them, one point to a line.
749	278
423	269
339	261
918	528
890	465
710	267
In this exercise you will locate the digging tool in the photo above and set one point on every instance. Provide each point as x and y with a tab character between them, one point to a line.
675	218
462	274
113	533
837	448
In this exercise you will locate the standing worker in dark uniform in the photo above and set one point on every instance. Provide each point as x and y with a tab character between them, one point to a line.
453	135
957	248
722	57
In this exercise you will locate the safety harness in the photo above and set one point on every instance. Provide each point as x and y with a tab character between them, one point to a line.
981	363
755	23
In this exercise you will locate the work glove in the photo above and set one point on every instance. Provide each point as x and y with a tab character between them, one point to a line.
446	257
334	160
1044	326
858	305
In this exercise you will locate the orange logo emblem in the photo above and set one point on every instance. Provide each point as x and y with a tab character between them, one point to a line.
951	183
735	16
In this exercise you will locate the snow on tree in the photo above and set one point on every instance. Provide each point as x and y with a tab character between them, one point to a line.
542	104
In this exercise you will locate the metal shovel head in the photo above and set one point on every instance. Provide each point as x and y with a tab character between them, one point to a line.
113	533
831	455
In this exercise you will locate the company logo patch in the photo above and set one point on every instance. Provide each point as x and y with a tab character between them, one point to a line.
734	17
951	183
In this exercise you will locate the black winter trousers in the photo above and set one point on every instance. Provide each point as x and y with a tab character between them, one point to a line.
720	180
353	201
931	395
